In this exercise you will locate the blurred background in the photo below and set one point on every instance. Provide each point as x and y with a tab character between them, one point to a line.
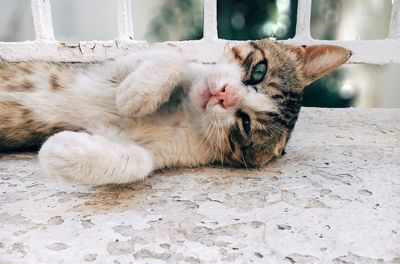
162	20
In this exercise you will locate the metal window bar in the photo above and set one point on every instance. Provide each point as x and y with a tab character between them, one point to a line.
46	47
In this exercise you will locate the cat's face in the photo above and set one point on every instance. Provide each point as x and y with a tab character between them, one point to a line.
247	107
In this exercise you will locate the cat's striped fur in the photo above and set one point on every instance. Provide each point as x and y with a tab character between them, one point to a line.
117	121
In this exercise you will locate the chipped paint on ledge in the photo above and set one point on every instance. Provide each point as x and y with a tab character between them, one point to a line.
364	51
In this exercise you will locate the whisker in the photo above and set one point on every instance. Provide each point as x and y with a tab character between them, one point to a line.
244	161
236	157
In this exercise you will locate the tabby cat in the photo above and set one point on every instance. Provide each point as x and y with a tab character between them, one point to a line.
117	121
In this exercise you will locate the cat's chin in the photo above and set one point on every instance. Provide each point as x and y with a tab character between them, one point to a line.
214	107
215	113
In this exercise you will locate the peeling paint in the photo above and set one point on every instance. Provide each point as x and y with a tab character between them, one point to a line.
364	51
121	247
57	246
55	220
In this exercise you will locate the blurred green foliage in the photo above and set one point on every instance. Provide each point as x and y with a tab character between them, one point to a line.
256	19
326	92
177	20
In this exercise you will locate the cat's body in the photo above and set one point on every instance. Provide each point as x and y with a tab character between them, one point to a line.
117	121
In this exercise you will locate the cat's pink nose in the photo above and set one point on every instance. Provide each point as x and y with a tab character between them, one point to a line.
226	96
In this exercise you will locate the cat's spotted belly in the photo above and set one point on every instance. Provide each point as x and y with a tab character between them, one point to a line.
21	130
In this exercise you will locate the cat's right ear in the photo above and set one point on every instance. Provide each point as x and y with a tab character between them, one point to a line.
319	60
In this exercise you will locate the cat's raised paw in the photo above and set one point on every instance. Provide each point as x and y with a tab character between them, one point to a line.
149	86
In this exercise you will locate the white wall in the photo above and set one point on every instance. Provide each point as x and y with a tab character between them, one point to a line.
74	19
16	20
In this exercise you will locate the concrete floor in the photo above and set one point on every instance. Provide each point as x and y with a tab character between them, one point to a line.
333	198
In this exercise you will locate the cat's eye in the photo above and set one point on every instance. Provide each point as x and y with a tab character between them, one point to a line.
258	72
246	123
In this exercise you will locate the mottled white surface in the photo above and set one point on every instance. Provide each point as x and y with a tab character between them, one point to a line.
333	198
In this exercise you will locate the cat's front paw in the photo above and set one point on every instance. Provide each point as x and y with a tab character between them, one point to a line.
150	85
138	99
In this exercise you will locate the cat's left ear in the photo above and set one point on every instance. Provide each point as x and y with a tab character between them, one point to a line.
319	60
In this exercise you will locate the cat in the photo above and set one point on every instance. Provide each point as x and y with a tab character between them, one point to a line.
120	120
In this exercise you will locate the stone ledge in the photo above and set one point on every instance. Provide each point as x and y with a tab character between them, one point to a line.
333	198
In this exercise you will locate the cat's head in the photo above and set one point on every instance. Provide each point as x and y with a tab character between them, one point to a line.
247	107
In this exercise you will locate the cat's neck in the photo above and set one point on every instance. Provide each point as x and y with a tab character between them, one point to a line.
172	133
173	138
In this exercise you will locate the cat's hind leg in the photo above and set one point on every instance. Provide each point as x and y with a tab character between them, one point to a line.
150	85
79	157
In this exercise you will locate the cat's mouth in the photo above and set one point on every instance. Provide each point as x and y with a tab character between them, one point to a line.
227	97
210	101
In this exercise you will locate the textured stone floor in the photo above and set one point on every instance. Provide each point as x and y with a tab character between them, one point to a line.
334	198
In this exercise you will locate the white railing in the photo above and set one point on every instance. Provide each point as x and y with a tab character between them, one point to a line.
46	47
